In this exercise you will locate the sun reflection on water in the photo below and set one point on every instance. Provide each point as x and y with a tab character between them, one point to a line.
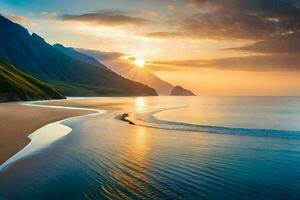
133	161
140	103
141	140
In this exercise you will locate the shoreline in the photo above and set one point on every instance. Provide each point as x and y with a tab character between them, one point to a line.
44	136
63	110
21	120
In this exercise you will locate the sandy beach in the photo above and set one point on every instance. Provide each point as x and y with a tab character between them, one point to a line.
18	121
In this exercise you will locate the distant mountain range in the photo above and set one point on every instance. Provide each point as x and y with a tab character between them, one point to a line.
74	77
133	73
18	86
141	75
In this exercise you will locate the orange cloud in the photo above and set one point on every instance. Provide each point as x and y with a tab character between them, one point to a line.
16	18
19	19
107	18
149	13
170	7
265	63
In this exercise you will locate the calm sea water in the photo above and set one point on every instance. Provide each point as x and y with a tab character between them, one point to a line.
207	148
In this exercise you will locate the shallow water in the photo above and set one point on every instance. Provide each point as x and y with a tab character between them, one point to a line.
104	158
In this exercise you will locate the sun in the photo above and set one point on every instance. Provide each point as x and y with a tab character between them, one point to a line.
139	62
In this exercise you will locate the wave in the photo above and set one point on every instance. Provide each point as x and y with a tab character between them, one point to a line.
147	119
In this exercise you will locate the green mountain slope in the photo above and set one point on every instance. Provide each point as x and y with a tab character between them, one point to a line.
18	86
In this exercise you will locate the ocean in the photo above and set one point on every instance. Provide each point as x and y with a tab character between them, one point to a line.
179	148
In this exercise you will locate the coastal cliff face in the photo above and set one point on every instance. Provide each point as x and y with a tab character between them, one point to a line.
18	86
32	55
180	91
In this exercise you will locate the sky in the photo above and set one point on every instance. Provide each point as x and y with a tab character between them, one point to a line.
213	47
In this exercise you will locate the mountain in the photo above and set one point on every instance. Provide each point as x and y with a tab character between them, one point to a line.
33	55
141	75
78	55
18	86
133	73
180	91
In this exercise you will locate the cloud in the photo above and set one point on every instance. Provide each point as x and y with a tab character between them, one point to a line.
261	63
170	7
266	63
156	67
161	35
149	13
19	19
107	18
16	18
102	55
286	44
237	20
47	14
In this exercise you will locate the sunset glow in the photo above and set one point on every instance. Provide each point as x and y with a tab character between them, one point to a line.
181	36
151	99
139	62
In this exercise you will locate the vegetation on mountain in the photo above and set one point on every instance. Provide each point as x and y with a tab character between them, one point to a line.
18	86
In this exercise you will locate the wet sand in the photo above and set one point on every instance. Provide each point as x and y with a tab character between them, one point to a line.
18	121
